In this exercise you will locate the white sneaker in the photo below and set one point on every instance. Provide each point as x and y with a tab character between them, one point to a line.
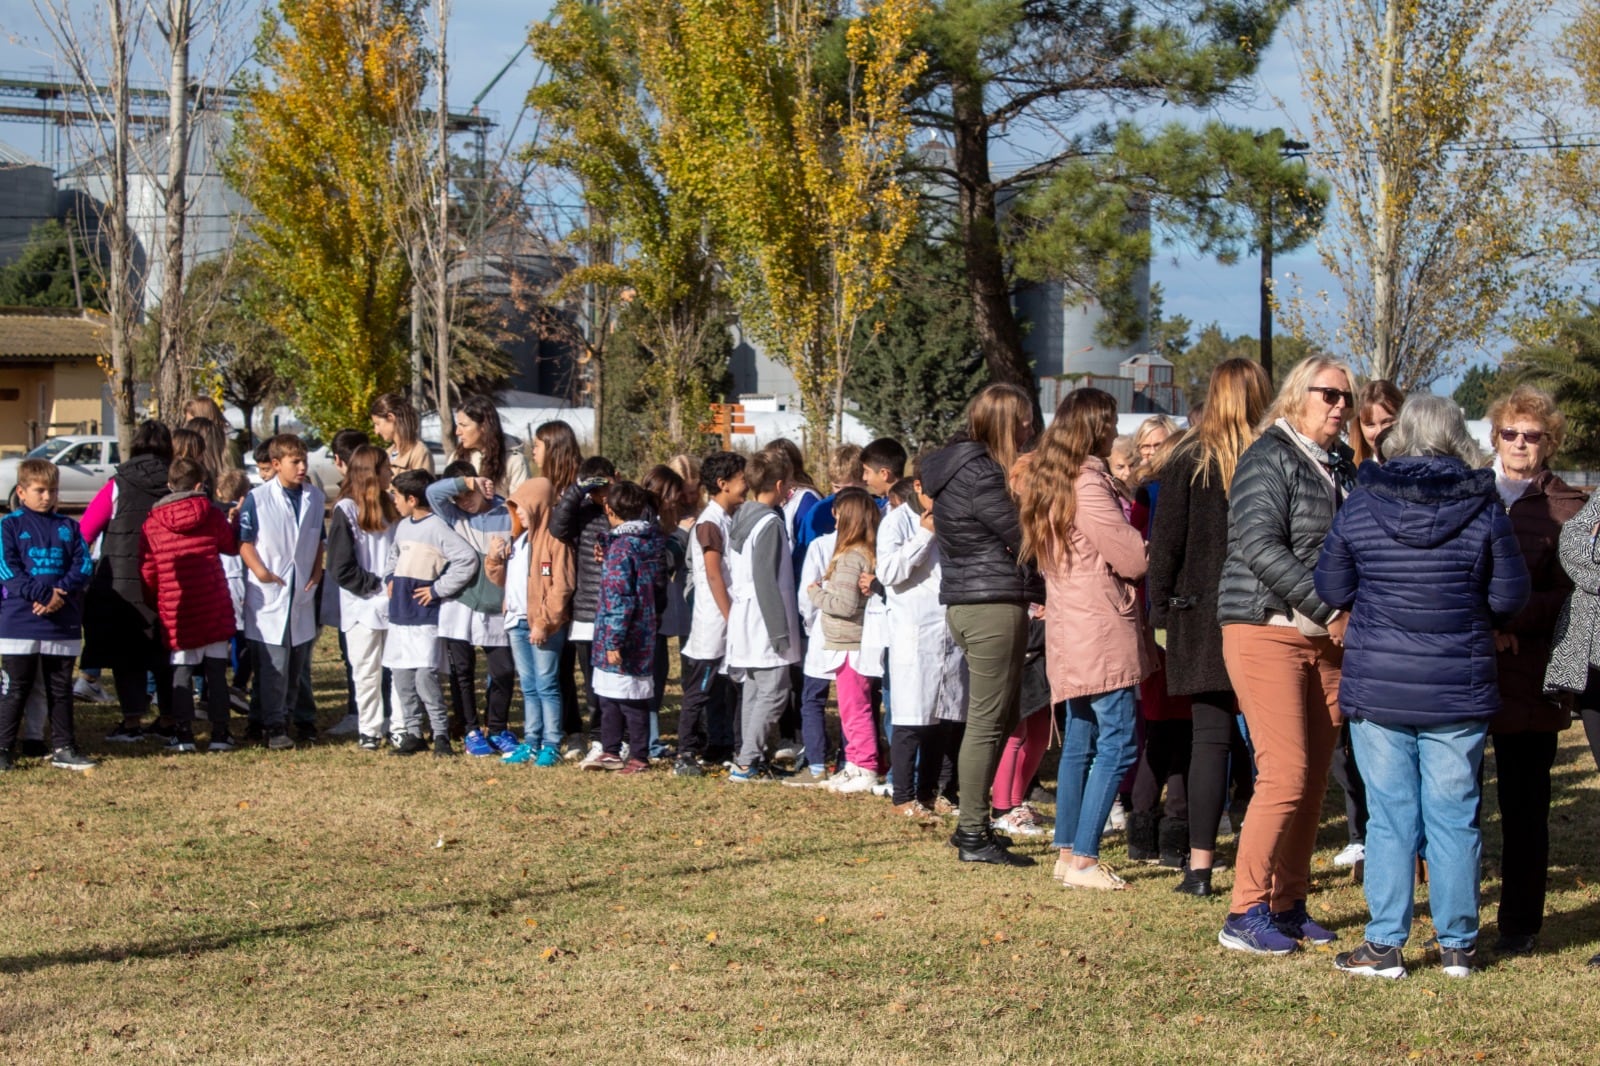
596	753
1117	820
884	790
1352	854
788	750
576	745
348	726
89	691
1022	821
857	780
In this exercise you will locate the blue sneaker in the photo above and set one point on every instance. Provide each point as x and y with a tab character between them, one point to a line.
478	744
1296	924
504	742
518	755
1254	932
549	755
741	775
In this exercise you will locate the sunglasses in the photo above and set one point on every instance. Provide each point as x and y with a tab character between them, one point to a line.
1331	396
1532	436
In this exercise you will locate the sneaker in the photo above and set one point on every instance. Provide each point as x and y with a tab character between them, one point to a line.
1117	820
687	766
504	742
634	766
442	748
183	747
1297	924
126	734
755	773
945	809
1254	932
603	762
477	743
577	745
348	726
912	809
157	731
221	742
1022	821
1372	960
596	753
1515	944
788	751
32	749
1352	854
306	734
1458	962
5	761
548	756
855	779
408	744
1098	877
69	759
367	742
522	753
254	733
89	691
239	700
883	790
810	777
280	742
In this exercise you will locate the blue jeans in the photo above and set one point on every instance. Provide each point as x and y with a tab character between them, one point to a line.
1422	784
539	671
1096	753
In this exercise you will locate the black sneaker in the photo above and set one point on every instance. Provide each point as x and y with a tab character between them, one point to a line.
126	734
255	733
1458	962
1372	960
410	744
33	749
221	742
305	734
687	766
5	761
280	742
442	748
368	743
157	731
69	759
1515	944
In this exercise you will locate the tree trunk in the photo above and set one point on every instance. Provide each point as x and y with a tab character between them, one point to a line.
992	314
119	285
441	256
597	397
170	348
1266	292
1385	309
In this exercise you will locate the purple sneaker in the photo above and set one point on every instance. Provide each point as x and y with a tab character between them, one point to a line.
1254	932
1296	924
505	742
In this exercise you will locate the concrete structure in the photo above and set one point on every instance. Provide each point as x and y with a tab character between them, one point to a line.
27	199
52	379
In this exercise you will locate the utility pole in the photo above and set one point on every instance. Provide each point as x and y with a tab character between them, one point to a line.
1288	150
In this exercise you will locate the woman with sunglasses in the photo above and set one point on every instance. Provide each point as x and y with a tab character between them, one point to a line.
1281	645
1527	431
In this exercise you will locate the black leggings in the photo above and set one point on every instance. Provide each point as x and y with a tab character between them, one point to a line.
1209	749
576	706
462	660
1589	711
1522	766
1164	768
916	759
215	671
133	695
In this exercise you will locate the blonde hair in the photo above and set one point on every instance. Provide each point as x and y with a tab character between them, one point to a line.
1050	501
1291	401
996	419
844	465
1535	405
1237	399
1150	425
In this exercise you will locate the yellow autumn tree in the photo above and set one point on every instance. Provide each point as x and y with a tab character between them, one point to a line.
794	140
315	155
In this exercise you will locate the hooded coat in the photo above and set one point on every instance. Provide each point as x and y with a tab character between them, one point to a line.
1426	562
181	549
121	625
632	592
976	524
550	560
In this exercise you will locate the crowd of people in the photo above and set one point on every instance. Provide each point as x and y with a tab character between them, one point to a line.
1343	584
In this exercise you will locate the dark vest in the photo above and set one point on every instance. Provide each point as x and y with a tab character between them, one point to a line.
117	593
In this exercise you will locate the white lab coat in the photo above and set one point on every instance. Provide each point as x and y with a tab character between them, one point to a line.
927	672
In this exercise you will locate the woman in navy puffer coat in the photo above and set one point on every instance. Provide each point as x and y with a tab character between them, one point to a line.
1426	561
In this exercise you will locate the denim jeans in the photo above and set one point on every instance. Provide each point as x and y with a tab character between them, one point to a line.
538	670
1422	783
1096	752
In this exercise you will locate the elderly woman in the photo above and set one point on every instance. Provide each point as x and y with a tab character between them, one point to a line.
1527	430
1425	561
1280	643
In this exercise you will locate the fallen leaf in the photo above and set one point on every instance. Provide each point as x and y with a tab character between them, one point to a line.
244	805
711	937
822	919
532	923
492	781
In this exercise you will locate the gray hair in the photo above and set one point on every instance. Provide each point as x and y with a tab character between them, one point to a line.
1431	425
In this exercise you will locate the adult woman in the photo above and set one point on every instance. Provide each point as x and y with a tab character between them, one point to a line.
1425	561
218	440
481	442
1527	431
1151	435
1074	529
1280	643
1188	541
395	422
121	629
986	592
556	454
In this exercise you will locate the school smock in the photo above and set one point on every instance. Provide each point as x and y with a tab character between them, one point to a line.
708	630
927	672
355	559
287	534
763	624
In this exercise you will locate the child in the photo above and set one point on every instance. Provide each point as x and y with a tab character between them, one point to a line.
842	605
181	547
232	487
845	471
579	519
707	695
428	565
666	485
763	624
360	540
44	568
817	672
476	619
883	462
633	589
343	445
536	570
280	542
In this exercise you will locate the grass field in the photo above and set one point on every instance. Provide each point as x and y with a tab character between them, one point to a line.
330	905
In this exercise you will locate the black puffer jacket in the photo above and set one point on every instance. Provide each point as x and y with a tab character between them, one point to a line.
120	626
1188	543
1280	508
977	527
579	521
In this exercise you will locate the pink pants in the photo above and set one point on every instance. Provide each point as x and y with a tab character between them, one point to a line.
855	718
1019	759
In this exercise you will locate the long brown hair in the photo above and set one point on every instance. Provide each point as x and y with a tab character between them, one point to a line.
1084	419
1236	401
562	456
1375	393
363	483
664	483
189	444
857	516
407	426
1001	419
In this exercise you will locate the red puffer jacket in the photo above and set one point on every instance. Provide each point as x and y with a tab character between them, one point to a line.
180	549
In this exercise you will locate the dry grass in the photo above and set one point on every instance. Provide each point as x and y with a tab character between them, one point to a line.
334	906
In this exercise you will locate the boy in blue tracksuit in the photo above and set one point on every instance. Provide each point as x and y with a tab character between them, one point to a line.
44	568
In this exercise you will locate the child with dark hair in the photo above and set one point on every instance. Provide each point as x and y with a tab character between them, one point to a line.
429	564
632	591
475	619
579	519
341	448
705	718
883	462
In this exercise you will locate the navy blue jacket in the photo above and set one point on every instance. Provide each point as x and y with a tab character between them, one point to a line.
1424	558
40	553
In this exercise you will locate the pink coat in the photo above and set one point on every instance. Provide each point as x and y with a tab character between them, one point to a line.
1095	635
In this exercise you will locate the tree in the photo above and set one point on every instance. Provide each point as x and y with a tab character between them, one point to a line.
1415	110
51	272
919	362
1002	69
315	153
1479	387
1568	367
